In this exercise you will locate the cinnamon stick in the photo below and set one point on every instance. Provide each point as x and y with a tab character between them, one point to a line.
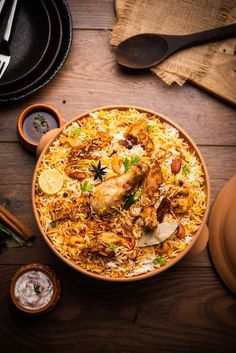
15	224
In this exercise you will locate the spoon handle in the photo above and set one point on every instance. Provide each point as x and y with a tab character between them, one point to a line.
207	36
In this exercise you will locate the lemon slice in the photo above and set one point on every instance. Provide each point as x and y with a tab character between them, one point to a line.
50	181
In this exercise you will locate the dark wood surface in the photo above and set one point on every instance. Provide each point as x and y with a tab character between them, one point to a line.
185	309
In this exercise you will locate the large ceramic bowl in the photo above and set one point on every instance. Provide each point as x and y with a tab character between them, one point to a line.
200	238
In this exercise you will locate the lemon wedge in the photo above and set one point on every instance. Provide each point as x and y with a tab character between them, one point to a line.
50	181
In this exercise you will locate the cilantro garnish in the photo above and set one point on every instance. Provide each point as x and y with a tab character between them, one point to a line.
160	260
39	121
86	186
185	170
76	131
129	162
53	224
112	246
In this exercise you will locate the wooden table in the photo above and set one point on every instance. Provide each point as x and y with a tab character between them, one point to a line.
185	309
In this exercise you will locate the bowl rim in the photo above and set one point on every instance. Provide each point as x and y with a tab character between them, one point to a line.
174	260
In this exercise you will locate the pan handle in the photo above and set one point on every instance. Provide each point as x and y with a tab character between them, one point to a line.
45	139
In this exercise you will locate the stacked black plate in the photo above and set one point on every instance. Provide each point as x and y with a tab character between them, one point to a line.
40	42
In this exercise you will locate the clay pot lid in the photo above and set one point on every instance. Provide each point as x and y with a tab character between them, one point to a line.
222	240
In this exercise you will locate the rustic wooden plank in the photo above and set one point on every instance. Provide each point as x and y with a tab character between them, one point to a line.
91	78
98	14
197	316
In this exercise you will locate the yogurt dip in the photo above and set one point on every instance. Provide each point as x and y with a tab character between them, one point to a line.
33	289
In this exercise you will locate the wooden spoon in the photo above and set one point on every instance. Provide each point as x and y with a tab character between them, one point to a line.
149	49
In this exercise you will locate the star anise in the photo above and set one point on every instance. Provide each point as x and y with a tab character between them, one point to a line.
98	170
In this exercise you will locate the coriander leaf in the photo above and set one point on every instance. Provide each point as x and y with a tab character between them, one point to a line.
134	160
160	260
76	131
129	162
53	224
126	164
86	186
40	121
185	170
112	246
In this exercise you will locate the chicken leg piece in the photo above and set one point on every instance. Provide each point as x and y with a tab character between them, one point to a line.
110	192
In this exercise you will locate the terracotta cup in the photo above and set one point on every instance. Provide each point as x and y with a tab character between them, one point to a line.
26	142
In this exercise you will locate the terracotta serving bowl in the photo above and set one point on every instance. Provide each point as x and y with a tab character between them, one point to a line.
200	239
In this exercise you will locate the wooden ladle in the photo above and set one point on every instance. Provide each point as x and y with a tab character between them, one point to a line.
149	49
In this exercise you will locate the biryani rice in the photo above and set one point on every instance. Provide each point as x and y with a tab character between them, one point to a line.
72	237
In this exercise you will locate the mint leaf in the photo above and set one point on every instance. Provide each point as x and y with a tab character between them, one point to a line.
37	289
40	121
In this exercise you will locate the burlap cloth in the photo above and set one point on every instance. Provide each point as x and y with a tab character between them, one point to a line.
175	17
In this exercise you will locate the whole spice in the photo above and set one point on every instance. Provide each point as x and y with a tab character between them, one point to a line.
15	224
175	166
163	208
98	170
77	175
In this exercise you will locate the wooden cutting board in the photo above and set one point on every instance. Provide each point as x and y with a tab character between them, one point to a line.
221	77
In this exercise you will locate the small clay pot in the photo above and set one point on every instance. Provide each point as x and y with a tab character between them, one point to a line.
28	142
55	285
